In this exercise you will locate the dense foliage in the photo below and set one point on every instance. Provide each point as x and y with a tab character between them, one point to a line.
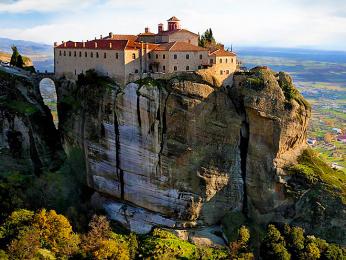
16	59
207	39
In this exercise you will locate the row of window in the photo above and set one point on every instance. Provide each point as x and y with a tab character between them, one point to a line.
175	56
226	60
80	54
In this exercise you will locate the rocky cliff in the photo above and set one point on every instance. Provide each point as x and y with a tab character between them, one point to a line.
182	152
29	141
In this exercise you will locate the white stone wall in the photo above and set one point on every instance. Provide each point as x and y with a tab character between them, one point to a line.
70	65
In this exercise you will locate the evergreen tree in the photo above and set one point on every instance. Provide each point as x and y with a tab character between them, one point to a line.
20	62
207	39
14	57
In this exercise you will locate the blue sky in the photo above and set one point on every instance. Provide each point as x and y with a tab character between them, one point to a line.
317	24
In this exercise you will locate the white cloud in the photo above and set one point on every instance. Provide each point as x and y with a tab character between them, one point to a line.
262	23
42	5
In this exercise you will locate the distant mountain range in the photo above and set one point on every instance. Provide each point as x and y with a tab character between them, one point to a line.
41	54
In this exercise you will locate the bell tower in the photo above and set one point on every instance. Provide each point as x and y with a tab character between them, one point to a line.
173	24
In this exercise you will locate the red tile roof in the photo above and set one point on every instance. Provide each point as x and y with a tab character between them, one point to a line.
164	33
222	53
179	46
173	19
129	37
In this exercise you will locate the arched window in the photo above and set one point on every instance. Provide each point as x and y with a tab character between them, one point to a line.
164	68
91	54
220	60
187	56
69	53
97	54
64	53
134	56
175	68
80	54
117	55
86	54
60	53
105	55
75	53
226	60
187	68
163	56
175	56
200	56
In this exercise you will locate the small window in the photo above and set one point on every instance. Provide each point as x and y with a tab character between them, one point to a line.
75	72
187	56
211	61
187	68
64	53
227	72
226	60
164	68
136	71
200	56
69	53
221	72
105	55
86	54
75	53
133	55
175	68
80	54
199	67
157	56
175	56
220	60
163	56
60	53
97	54
232	60
91	54
117	55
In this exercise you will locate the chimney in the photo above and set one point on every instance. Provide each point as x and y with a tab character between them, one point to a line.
101	37
95	45
110	35
75	45
147	30
83	44
160	27
64	44
110	45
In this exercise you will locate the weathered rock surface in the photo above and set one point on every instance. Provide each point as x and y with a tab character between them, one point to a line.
182	152
28	139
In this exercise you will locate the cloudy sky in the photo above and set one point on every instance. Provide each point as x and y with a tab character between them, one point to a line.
283	23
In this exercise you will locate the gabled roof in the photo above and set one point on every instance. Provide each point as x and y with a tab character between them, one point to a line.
179	47
129	37
221	53
163	33
173	19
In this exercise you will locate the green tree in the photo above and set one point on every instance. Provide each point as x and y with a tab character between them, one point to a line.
14	57
334	252
274	245
207	39
20	62
311	252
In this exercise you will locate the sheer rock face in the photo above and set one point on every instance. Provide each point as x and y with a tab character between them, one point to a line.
28	139
184	149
